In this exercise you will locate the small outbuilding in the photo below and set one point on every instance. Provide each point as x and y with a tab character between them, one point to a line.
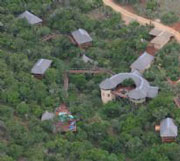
86	59
40	68
31	18
161	38
142	63
47	116
81	38
168	130
155	32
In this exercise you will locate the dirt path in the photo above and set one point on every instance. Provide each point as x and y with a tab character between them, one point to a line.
128	17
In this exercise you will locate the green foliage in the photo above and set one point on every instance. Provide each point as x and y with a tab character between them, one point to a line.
6	158
168	59
127	1
117	131
152	5
128	83
22	108
169	18
97	154
112	110
15	150
165	106
164	152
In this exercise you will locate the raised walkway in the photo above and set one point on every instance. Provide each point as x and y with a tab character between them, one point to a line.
83	71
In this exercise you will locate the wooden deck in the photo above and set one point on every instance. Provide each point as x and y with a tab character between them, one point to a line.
168	139
177	101
49	37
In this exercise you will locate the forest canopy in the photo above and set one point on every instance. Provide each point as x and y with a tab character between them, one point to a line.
116	131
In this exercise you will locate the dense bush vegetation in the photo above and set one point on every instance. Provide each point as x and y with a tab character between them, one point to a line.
127	1
117	131
169	18
162	10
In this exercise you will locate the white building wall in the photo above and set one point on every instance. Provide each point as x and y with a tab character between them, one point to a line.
106	96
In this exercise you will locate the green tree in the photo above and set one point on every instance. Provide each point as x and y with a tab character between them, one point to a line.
169	18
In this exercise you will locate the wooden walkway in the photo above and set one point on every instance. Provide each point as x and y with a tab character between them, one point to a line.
49	37
83	71
177	101
66	81
90	71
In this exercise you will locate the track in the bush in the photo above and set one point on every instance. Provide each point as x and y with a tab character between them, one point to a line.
128	17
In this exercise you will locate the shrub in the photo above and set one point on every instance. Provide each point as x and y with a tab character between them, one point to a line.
169	18
127	1
152	5
22	108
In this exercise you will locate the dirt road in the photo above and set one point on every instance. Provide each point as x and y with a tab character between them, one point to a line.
128	17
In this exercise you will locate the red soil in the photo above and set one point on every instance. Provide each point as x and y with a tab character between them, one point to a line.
142	1
177	101
129	8
176	26
151	50
173	82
